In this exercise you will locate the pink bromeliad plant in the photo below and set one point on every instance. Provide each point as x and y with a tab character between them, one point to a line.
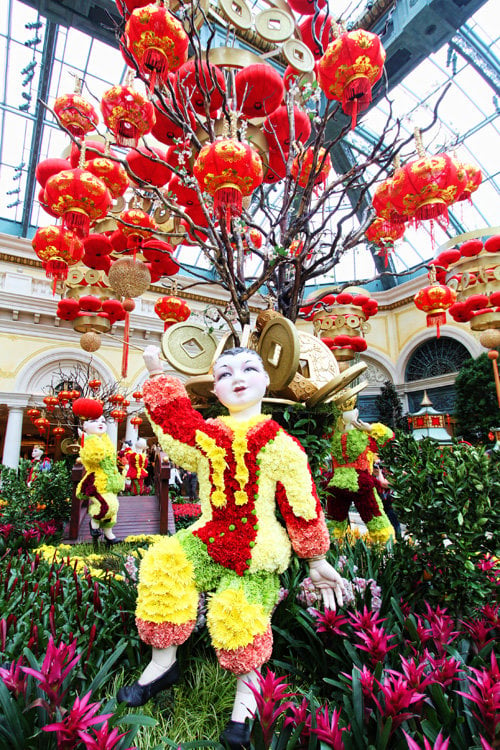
41	703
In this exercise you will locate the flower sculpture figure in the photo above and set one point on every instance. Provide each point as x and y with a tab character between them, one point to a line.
237	548
352	480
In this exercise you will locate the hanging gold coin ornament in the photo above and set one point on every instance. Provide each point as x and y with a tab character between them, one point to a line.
279	349
189	348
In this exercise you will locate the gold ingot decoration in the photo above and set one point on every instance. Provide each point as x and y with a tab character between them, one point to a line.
189	348
347	395
299	389
129	277
90	342
69	447
91	323
279	348
337	384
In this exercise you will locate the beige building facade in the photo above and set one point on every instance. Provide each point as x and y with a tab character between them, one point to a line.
35	343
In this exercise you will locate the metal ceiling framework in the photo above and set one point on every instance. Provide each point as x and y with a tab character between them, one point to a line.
411	30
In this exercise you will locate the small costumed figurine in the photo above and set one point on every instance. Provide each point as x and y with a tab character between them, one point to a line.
248	468
102	481
39	463
135	470
122	454
354	449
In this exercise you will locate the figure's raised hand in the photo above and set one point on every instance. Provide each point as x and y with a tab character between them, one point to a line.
328	582
152	359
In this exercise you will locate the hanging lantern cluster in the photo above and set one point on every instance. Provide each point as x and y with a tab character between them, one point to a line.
340	320
424	189
473	270
351	65
383	234
78	197
434	300
172	310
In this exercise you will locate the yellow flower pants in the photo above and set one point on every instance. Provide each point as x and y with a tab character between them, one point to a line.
173	574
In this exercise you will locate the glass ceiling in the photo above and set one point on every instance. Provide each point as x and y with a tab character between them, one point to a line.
468	122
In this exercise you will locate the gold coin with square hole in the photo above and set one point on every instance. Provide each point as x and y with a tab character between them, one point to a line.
279	348
189	348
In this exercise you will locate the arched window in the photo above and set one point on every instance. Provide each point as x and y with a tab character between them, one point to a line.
436	357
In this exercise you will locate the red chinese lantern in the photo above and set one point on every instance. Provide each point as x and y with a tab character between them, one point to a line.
64	395
277	128
424	188
116	398
324	30
435	300
385	199
275	169
87	408
259	90
172	310
79	197
33	413
136	421
48	167
127	114
306	7
228	169
303	164
159	255
76	114
111	173
351	65
42	424
474	179
383	234
136	225
148	165
57	248
95	384
93	150
157	41
74	394
137	395
118	415
50	402
198	82
58	432
169	125
252	240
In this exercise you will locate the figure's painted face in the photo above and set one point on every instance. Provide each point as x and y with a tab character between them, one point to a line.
36	453
240	380
95	426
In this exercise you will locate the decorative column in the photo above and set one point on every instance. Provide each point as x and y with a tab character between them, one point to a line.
113	431
13	436
131	431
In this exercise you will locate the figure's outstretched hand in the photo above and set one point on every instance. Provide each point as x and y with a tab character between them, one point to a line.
152	359
328	582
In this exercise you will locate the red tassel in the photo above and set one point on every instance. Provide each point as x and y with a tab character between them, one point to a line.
78	222
436	319
228	203
356	97
126	339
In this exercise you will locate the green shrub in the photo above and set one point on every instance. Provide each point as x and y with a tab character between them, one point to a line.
449	500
